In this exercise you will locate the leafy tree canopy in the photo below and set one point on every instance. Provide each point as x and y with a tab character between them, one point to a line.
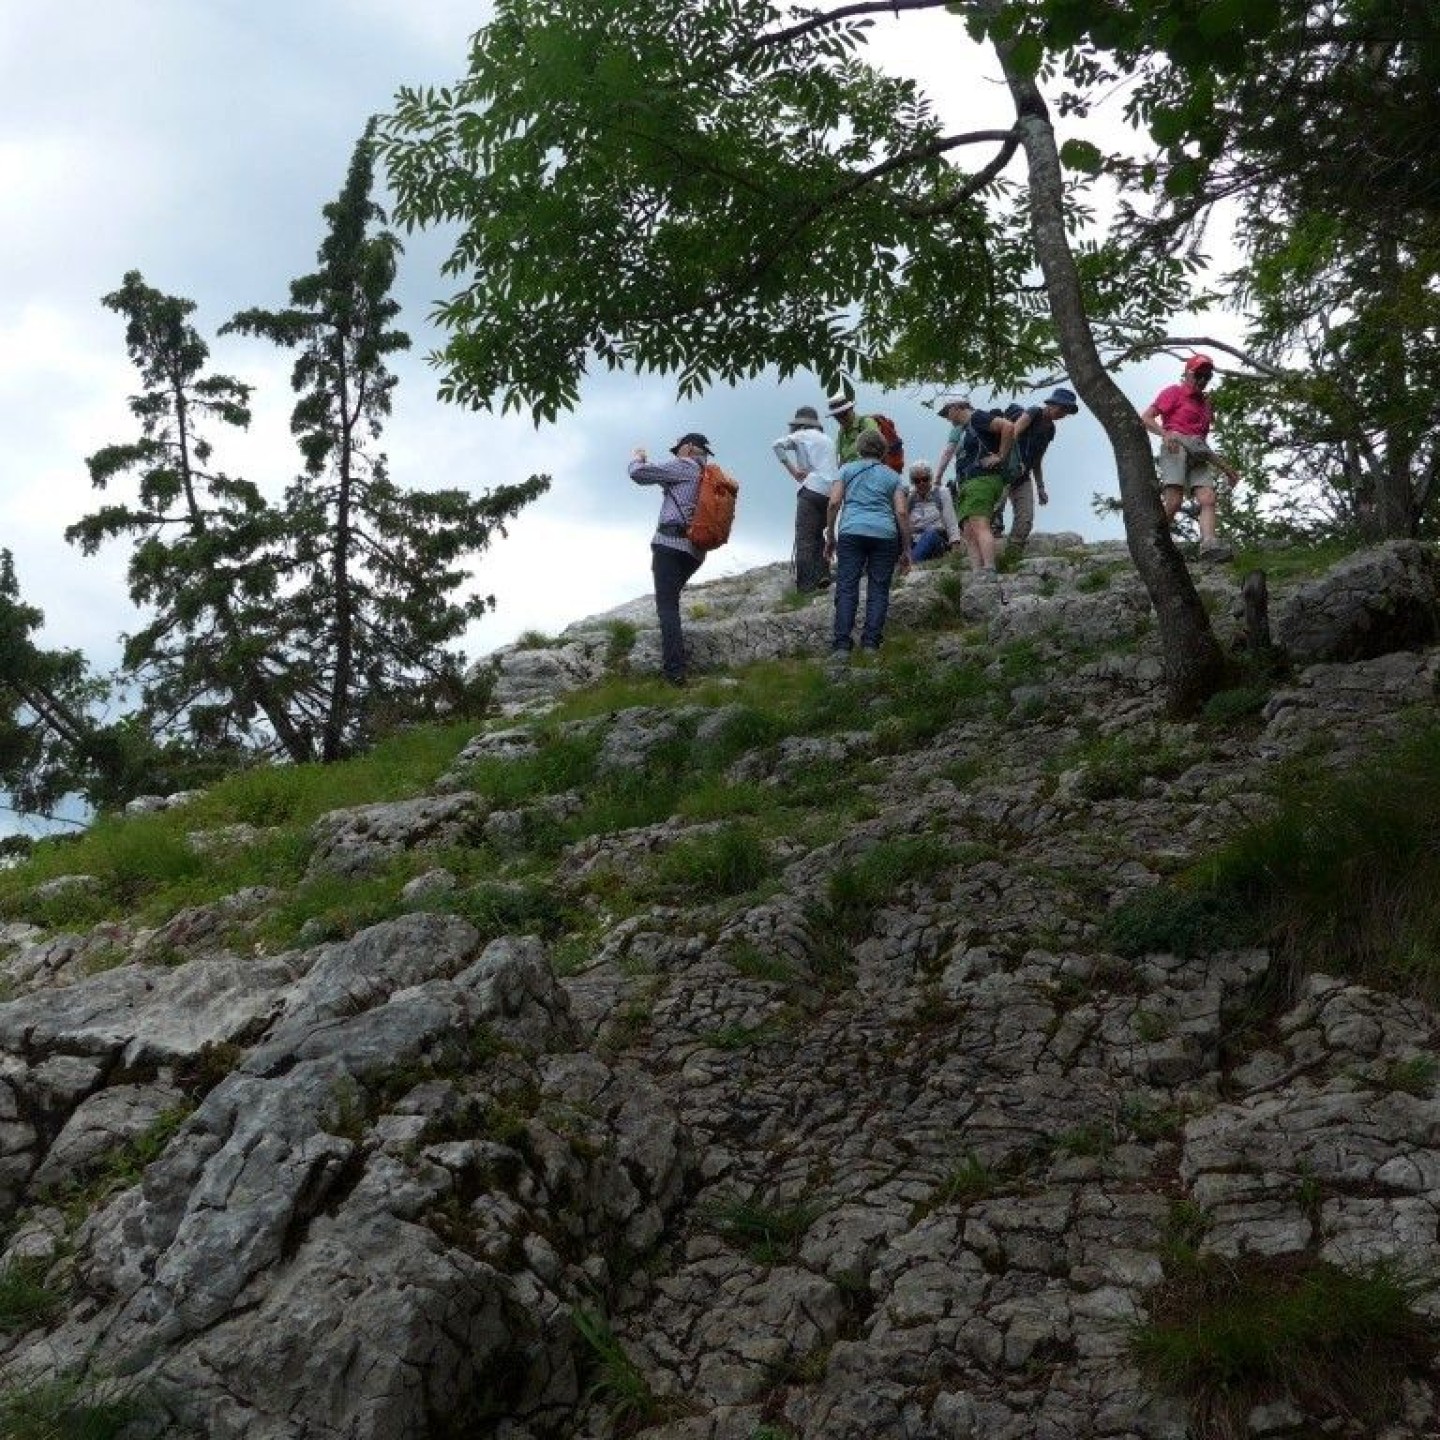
705	188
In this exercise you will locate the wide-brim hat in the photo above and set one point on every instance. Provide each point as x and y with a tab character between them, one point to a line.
807	417
839	404
693	437
1065	399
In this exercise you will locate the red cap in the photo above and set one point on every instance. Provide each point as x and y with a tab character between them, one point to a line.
1198	362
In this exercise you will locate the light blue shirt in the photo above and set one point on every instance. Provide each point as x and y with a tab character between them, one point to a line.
869	507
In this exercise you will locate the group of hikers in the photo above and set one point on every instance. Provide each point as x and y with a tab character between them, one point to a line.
857	518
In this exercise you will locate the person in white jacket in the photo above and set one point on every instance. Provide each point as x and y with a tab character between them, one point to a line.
808	455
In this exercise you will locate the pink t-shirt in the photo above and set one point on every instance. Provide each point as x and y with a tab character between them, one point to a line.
1184	410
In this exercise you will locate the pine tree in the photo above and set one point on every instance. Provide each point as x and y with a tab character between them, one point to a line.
205	563
374	569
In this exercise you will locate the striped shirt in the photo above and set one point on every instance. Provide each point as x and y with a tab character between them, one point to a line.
680	481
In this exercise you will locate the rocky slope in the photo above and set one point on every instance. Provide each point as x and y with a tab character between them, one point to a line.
790	1159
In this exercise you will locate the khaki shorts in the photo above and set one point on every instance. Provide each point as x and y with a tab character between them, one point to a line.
1187	468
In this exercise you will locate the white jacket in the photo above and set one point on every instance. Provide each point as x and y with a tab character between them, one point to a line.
813	453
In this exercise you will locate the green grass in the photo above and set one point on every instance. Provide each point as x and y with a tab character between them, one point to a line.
1343	879
768	1234
720	863
145	868
68	1407
1117	767
25	1300
1228	1335
1295	562
616	1380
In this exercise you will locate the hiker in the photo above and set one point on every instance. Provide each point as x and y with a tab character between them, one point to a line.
934	529
1181	416
808	455
673	559
852	427
867	531
980	443
1034	430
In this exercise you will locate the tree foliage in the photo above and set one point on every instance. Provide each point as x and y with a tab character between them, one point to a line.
373	569
1313	125
207	548
54	738
709	188
706	191
306	624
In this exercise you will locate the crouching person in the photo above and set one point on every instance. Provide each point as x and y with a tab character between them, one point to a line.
934	529
867	531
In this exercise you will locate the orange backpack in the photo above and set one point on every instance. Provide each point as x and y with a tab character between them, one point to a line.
714	509
894	445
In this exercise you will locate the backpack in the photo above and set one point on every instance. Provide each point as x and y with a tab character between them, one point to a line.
894	445
709	526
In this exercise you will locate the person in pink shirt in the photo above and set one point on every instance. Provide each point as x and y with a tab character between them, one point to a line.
1181	416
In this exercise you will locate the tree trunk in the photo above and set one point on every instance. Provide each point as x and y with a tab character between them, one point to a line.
1193	663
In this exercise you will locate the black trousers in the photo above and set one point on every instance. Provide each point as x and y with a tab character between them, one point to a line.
672	569
810	568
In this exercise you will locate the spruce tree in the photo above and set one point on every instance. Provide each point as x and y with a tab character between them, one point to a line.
374	570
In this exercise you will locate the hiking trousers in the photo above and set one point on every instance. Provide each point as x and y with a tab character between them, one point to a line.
672	569
875	559
810	567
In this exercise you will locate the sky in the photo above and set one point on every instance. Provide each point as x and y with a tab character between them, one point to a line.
197	141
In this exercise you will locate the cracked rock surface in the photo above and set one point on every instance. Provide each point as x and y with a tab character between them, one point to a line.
913	1176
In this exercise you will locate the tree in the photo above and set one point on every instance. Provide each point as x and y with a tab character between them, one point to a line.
207	546
373	569
1314	124
53	743
721	189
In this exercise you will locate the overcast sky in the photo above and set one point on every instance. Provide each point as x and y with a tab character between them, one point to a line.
196	141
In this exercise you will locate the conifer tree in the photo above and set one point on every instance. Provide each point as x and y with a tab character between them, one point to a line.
374	569
210	662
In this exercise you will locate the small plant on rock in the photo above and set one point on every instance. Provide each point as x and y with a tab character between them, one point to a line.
26	1302
768	1234
618	1383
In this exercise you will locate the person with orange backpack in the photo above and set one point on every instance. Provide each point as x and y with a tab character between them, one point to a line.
677	549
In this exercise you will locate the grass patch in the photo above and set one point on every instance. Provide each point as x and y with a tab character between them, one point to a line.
26	1302
1117	767
1343	879
768	1234
1229	1335
145	868
1295	562
1229	708
860	888
616	1381
70	1408
728	861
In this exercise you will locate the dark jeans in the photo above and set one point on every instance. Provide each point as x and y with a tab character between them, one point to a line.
672	569
868	555
810	567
